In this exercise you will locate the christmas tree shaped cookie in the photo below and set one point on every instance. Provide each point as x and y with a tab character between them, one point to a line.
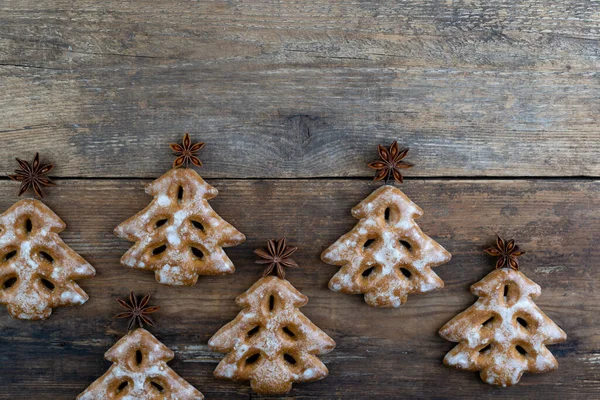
503	334
37	269
271	343
178	235
386	256
140	369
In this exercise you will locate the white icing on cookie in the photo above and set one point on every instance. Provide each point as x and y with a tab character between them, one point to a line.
271	334
512	325
140	376
38	270
192	233
400	254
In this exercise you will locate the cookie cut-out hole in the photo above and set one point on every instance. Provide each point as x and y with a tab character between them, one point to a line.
197	252
252	359
10	255
28	225
406	272
159	249
289	332
368	243
46	256
522	322
122	386
10	282
253	331
510	293
486	348
406	245
271	302
198	225
368	272
386	214
290	360
139	357
157	386
488	321
521	350
160	222
180	193
49	285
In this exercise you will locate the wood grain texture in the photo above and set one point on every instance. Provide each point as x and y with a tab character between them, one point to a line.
297	89
380	353
286	89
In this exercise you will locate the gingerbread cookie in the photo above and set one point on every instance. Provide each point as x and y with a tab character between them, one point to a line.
386	256
179	236
271	343
139	369
503	334
37	269
140	372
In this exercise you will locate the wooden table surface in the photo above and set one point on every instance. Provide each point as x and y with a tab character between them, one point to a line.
498	102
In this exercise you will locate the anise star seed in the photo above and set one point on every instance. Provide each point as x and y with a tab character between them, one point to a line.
137	312
186	152
32	175
508	253
391	163
277	255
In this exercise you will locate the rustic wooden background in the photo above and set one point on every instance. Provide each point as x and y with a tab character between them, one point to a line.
498	101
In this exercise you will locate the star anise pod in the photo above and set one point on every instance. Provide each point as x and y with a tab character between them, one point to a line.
186	152
391	163
32	175
277	255
508	253
137	311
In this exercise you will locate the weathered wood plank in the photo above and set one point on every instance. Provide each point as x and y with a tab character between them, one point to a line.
380	353
289	89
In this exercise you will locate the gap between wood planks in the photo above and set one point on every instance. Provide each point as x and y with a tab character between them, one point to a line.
579	178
